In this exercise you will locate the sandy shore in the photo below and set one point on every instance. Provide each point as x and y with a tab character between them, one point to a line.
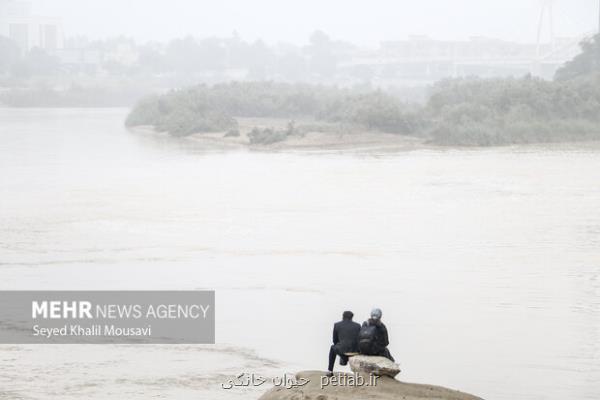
327	137
313	139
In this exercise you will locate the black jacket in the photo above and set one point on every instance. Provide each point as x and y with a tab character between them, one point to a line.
381	338
345	336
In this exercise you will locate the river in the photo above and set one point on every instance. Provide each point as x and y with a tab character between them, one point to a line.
486	262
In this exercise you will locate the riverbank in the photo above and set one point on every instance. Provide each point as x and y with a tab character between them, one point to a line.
314	137
351	141
345	387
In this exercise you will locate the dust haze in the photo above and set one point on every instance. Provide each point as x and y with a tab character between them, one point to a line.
363	23
437	160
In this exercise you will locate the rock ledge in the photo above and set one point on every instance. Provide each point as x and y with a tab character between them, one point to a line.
380	366
386	389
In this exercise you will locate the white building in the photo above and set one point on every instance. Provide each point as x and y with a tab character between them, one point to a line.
18	23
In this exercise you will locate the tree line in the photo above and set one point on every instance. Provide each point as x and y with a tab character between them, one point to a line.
205	108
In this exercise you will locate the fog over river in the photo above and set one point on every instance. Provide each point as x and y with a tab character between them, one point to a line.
486	263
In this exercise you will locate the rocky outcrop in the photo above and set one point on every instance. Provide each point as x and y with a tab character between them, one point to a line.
317	385
380	366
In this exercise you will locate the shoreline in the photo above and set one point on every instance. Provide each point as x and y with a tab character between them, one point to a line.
386	388
311	141
361	141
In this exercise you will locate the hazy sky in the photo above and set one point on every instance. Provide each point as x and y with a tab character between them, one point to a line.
363	22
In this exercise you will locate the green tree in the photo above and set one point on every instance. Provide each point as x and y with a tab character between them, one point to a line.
586	63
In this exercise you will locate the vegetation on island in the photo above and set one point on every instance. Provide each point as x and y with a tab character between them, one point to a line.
206	108
471	112
507	111
485	112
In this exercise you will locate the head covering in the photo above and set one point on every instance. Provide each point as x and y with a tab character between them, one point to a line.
376	314
348	315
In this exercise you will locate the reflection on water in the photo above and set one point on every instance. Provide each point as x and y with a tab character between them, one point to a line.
485	262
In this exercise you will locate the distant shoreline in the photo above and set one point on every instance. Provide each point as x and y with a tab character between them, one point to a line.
311	140
362	141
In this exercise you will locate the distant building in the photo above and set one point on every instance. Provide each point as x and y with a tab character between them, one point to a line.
123	52
18	23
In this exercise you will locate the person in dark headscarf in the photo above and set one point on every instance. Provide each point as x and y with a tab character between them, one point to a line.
373	336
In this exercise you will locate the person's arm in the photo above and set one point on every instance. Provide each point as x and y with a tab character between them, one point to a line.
336	339
386	340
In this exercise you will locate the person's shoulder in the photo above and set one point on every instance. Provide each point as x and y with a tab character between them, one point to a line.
366	323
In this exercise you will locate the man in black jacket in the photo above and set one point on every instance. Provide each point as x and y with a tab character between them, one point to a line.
345	339
373	336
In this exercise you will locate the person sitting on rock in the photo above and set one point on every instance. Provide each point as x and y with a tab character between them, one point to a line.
373	337
345	339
